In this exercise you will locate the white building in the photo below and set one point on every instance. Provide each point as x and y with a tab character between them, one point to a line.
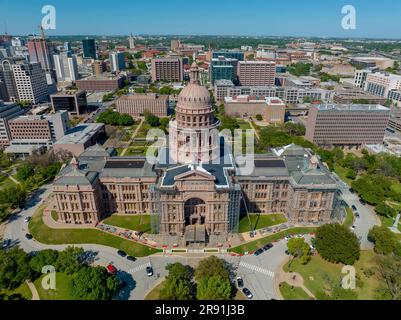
131	41
30	81
66	67
382	83
360	77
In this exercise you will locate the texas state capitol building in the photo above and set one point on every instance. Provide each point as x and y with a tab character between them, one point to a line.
196	190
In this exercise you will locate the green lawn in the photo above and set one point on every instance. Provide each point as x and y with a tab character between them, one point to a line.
54	215
293	293
23	290
260	221
130	222
349	219
46	235
318	274
342	173
254	245
63	288
7	183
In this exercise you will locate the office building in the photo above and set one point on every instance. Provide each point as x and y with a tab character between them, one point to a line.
8	111
238	55
41	50
117	61
89	48
9	88
256	73
356	95
347	125
222	68
137	104
106	82
270	108
360	77
381	84
167	69
74	102
175	45
372	62
30	81
30	133
98	67
78	139
66	67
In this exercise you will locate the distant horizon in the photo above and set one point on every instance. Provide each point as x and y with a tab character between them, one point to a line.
206	35
256	18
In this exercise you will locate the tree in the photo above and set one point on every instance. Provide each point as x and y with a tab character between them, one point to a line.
229	123
13	197
298	248
69	261
94	283
294	129
389	272
259	117
211	266
151	119
24	172
337	244
178	285
385	241
214	288
14	268
43	258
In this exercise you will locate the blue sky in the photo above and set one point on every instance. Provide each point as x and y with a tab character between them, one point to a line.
376	19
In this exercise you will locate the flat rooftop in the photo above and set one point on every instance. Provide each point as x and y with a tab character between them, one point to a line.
351	107
80	134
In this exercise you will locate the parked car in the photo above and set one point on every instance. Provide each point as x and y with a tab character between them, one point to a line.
354	208
363	202
240	282
287	252
6	243
29	236
122	253
131	258
247	293
357	215
27	219
268	247
353	227
149	271
258	252
352	190
112	269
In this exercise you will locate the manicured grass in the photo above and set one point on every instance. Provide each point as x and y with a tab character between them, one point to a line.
349	219
318	274
46	235
63	288
293	293
254	245
260	221
155	293
54	215
23	290
130	222
342	173
244	125
396	187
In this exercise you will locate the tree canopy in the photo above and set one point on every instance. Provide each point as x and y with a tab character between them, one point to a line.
385	241
14	268
337	244
111	117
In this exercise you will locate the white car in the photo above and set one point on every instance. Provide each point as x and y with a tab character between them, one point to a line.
27	219
353	227
287	238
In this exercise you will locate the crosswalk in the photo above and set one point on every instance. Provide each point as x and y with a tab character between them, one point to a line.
257	269
140	268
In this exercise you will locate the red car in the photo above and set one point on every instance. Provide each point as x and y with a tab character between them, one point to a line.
112	269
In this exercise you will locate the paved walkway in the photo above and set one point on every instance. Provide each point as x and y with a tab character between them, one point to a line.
35	294
293	279
254	129
133	137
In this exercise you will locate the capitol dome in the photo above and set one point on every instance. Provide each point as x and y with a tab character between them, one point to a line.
194	96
